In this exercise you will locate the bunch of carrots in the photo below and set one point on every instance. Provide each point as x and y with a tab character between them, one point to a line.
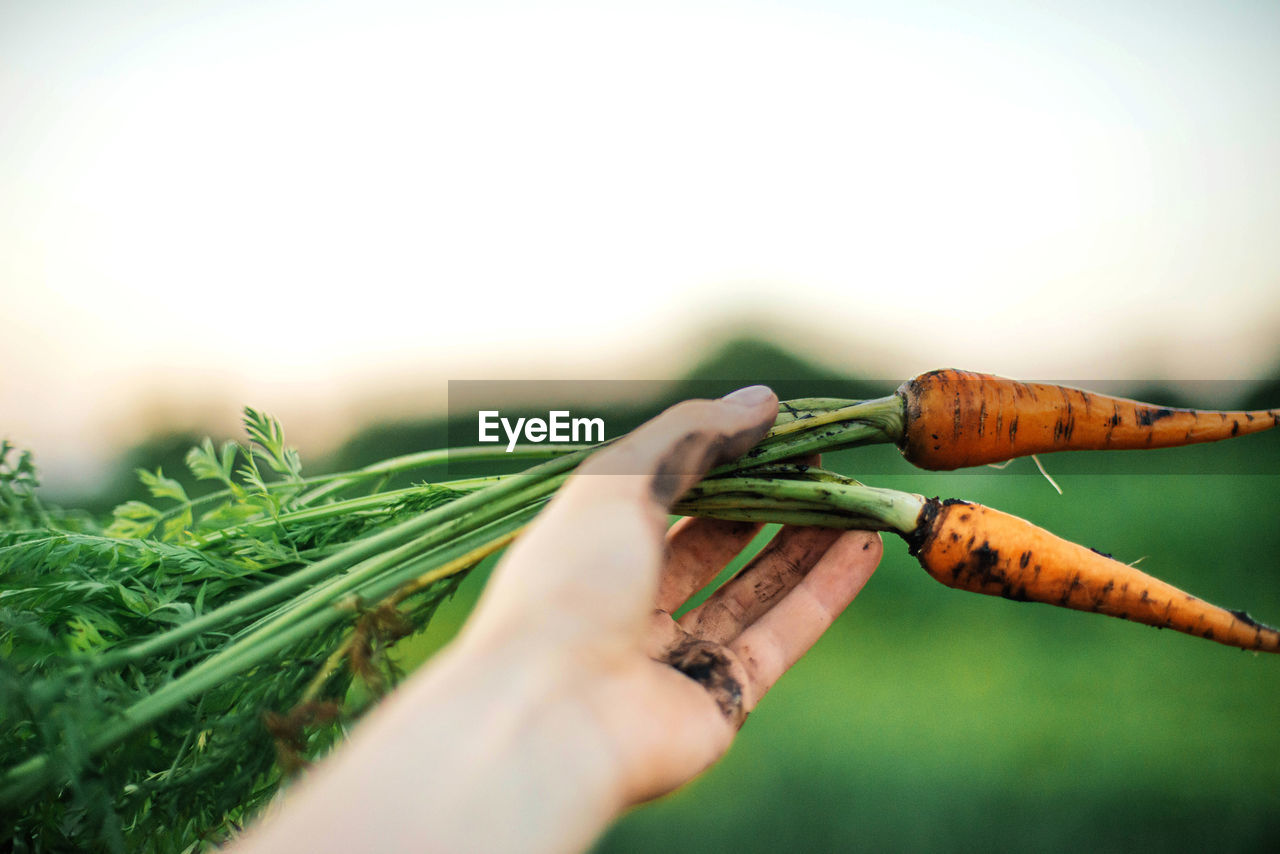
949	419
270	597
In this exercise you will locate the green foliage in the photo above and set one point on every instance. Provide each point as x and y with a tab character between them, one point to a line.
207	464
19	507
95	623
270	447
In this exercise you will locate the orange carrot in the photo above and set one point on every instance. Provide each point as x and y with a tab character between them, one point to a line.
956	419
971	547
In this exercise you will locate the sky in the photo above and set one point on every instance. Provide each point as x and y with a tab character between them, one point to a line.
330	209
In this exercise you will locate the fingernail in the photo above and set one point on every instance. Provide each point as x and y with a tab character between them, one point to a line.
752	395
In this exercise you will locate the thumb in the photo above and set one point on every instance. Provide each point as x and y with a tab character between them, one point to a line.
590	561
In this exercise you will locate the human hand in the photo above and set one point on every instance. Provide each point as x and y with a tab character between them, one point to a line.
594	582
571	693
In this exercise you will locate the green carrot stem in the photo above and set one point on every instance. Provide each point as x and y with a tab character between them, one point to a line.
451	536
329	483
425	459
441	521
796	471
347	506
831	437
257	646
749	510
775	515
505	494
803	407
898	510
404	591
886	413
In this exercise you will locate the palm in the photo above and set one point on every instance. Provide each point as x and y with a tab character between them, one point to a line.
673	699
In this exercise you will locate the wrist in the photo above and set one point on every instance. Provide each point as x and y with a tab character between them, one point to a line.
526	762
482	750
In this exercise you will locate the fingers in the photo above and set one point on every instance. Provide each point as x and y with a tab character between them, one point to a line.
774	642
697	549
751	631
661	459
772	574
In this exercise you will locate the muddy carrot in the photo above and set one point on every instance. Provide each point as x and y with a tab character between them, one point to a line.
971	547
954	419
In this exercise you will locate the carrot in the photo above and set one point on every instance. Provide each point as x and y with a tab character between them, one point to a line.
970	547
957	418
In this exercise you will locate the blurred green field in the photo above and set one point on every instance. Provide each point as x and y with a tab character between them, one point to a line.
930	719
